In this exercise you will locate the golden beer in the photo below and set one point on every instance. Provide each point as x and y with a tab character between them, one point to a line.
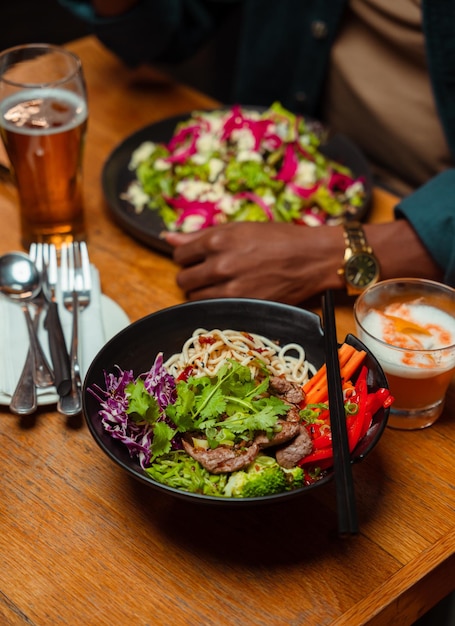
43	123
44	137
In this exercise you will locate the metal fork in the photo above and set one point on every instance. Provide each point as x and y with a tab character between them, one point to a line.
76	286
45	257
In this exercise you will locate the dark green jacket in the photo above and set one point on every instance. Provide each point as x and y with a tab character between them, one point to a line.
283	53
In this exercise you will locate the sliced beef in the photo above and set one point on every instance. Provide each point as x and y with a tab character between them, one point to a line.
223	458
287	390
288	431
293	415
290	454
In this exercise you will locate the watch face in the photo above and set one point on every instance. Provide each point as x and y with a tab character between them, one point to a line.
361	270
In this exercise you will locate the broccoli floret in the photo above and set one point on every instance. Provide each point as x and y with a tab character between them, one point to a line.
294	477
262	477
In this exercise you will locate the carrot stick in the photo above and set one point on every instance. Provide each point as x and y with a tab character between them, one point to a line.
344	353
318	395
315	380
350	360
351	366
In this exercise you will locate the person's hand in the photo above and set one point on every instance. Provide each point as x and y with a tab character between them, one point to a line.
273	261
287	263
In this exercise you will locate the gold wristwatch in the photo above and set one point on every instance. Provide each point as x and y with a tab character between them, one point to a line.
360	267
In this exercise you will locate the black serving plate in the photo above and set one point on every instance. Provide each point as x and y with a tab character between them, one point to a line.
135	348
147	226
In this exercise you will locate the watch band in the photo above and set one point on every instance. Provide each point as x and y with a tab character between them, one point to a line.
355	240
360	266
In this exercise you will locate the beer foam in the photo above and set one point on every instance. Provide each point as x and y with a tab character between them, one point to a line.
414	354
28	111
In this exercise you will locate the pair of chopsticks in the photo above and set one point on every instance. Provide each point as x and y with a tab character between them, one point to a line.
346	504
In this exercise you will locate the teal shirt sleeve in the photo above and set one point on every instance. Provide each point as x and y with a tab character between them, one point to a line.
431	212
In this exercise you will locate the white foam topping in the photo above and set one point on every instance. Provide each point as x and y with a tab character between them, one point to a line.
422	336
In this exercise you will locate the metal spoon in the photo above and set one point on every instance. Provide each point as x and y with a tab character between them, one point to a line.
20	281
24	400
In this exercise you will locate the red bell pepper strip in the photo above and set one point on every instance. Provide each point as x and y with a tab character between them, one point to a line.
375	401
323	441
354	427
361	399
378	399
317	455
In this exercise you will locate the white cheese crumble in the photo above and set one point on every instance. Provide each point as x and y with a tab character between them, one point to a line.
141	153
306	173
244	138
161	165
352	190
248	155
136	196
216	166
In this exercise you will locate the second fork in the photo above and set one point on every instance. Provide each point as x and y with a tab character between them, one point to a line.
76	287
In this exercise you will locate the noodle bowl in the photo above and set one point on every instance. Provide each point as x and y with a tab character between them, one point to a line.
171	331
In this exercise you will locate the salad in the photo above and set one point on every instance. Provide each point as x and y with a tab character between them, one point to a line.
234	433
242	165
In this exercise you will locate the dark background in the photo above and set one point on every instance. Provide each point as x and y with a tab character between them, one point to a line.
45	21
33	21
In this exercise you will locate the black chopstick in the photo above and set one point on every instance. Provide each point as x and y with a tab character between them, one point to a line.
346	504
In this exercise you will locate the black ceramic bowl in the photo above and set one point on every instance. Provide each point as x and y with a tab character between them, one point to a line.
166	331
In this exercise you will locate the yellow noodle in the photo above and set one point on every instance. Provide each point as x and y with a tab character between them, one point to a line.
246	348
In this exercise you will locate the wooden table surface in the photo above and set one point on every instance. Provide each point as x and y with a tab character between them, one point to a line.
82	543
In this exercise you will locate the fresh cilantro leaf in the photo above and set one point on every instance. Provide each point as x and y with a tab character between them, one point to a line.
258	390
181	411
263	416
141	405
162	437
268	409
212	403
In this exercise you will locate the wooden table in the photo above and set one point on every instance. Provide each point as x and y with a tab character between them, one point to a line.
81	543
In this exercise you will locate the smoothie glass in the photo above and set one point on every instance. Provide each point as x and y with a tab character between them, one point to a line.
409	325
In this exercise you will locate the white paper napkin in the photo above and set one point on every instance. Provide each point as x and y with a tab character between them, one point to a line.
14	339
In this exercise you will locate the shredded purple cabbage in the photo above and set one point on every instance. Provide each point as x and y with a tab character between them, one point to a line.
114	405
159	383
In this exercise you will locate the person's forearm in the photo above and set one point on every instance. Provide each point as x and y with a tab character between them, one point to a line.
111	8
401	252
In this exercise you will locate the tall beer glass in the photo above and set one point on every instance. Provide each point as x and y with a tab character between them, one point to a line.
43	122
